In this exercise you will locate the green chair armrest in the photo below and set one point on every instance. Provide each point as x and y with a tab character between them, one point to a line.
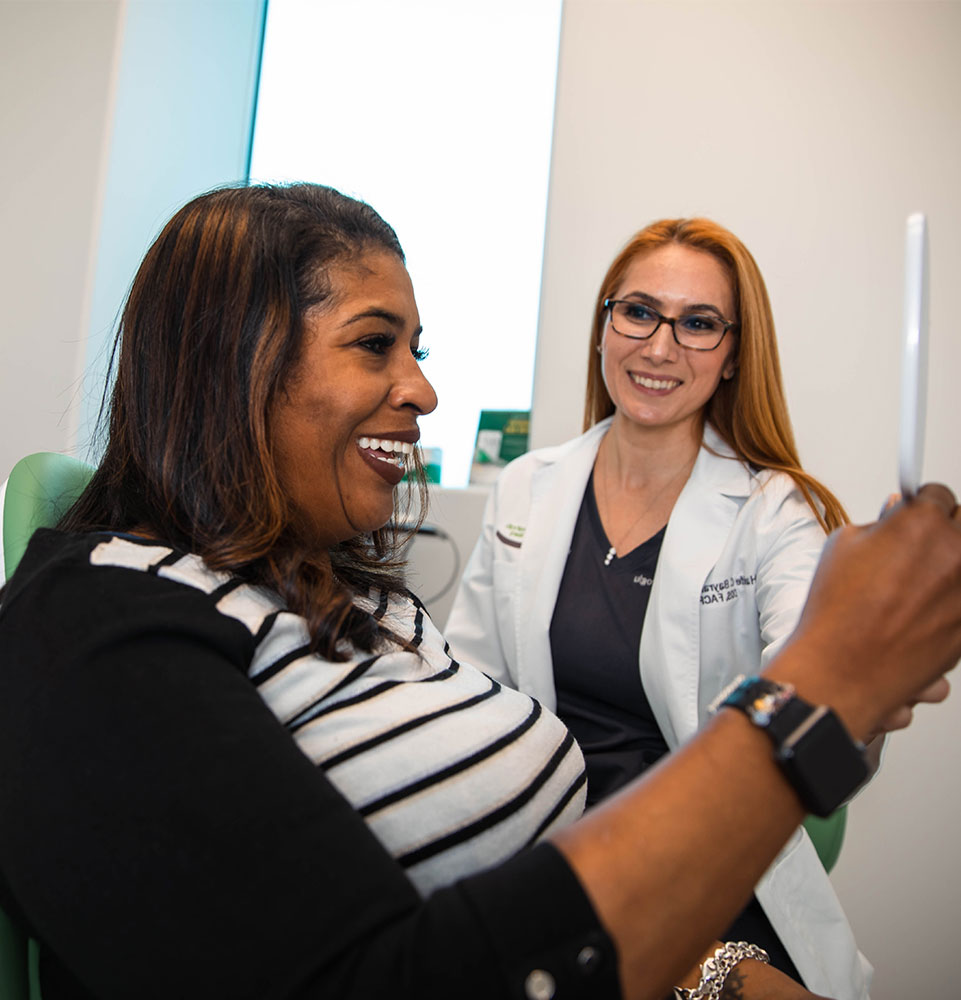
828	835
40	490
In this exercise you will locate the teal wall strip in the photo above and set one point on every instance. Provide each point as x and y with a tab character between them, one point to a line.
255	104
183	123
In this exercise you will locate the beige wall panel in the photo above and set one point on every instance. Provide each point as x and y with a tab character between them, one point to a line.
811	130
56	68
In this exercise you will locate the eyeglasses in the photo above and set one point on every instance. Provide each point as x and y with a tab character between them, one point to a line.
639	321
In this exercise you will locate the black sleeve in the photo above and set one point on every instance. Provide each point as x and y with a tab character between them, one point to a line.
163	836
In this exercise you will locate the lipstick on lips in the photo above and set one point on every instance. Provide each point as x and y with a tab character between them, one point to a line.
388	455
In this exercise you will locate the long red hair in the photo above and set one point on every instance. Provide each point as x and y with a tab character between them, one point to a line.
748	410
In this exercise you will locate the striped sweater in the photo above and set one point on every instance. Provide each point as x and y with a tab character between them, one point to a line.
452	772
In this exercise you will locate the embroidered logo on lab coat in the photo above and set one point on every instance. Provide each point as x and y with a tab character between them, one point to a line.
512	535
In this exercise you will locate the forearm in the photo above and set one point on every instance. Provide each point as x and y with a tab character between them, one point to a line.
664	898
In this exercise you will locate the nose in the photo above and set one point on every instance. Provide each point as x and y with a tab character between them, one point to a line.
661	345
411	389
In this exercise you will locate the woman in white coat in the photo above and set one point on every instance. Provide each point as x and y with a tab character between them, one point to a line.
627	577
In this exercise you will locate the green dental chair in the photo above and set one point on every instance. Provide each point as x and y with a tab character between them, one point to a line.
40	489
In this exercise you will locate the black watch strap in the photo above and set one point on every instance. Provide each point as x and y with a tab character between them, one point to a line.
817	754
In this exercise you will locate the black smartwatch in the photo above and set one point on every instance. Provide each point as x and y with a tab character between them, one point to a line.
816	753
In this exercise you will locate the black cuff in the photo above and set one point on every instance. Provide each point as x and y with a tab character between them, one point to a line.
544	930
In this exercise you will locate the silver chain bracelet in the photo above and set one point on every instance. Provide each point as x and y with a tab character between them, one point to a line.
715	970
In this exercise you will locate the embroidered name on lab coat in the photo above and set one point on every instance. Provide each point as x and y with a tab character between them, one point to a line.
728	589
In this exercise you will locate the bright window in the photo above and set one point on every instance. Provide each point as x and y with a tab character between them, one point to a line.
440	115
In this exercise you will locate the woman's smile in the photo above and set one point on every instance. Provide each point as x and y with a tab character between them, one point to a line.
653	383
388	455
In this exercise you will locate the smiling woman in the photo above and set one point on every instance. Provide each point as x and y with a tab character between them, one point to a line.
683	536
239	538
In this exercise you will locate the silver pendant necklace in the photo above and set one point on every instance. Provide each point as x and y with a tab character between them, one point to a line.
612	551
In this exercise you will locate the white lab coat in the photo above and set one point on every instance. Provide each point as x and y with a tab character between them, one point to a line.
733	573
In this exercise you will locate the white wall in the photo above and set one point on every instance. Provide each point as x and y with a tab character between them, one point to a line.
810	130
56	68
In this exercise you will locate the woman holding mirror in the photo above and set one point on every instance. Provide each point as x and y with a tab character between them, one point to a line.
238	758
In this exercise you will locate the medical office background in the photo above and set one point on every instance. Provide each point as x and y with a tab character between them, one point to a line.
811	129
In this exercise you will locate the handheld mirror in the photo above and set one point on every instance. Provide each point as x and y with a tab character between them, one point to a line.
914	357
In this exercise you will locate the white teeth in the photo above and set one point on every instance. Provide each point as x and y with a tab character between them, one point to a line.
654	383
402	448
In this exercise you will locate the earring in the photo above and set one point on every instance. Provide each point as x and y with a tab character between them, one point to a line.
598	349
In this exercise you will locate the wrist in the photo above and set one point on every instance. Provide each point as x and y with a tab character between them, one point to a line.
816	676
715	970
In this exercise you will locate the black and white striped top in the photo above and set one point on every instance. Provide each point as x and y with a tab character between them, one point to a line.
452	772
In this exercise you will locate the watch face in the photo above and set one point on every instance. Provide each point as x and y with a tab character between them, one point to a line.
815	751
822	762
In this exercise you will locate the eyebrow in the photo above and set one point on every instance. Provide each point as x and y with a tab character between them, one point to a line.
694	307
376	313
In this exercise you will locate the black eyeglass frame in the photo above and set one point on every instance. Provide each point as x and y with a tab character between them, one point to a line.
661	319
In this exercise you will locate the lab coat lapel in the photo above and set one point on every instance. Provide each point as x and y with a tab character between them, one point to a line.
696	532
557	489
